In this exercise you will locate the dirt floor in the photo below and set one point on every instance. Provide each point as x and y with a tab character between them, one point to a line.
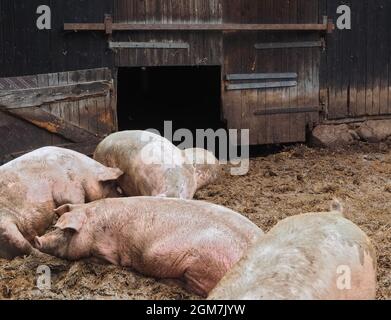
294	181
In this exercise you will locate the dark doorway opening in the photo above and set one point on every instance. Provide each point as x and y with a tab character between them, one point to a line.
190	97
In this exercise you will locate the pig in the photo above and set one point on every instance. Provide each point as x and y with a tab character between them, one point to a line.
153	166
207	167
34	185
192	242
315	256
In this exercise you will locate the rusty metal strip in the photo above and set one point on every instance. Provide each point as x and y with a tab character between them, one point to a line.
261	85
148	45
286	111
261	76
288	45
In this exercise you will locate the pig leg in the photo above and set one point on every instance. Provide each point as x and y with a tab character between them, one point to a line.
12	242
204	273
196	282
164	261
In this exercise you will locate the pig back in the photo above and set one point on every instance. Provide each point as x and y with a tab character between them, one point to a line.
155	218
153	166
301	258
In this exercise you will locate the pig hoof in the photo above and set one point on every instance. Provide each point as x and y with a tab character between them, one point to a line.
38	254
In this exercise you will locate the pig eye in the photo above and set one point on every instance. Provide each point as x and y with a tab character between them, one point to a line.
120	191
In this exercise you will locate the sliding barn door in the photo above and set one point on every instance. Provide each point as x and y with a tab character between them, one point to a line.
69	109
167	47
272	78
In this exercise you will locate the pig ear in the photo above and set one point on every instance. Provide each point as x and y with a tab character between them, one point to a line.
109	174
63	209
72	221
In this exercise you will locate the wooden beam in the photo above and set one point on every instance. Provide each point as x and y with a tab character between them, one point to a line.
32	97
52	124
196	27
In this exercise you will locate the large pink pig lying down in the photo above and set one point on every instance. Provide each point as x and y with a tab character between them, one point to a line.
307	257
32	186
192	241
153	166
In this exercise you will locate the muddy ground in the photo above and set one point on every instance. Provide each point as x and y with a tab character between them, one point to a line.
294	181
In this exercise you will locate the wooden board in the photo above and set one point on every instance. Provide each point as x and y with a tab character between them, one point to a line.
67	108
356	72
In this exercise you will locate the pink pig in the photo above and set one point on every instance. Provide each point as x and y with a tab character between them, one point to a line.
191	241
32	186
153	166
315	256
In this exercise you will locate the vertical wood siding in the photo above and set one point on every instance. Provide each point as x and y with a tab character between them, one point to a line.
24	50
357	72
205	48
242	57
351	78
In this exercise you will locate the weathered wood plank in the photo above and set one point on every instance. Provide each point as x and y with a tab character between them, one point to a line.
17	135
52	124
232	100
26	98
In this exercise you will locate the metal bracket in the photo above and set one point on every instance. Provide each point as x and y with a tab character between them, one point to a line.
108	24
148	45
329	23
261	85
260	76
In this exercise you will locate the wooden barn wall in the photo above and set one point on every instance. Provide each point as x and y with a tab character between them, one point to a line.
205	47
357	70
354	71
72	109
24	50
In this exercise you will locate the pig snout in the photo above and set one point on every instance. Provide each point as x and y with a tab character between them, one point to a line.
55	243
